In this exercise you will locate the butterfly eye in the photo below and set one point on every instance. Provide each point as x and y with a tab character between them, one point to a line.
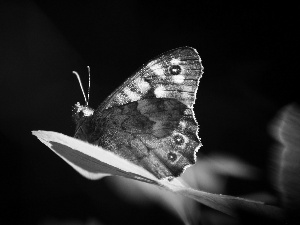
175	69
178	139
172	156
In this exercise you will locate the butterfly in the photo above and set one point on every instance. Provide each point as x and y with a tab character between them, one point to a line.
149	119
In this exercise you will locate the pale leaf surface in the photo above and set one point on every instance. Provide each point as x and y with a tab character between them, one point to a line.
94	162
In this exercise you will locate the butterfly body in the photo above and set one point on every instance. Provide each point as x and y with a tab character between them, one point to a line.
149	119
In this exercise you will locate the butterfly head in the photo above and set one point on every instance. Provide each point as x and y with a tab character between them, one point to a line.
81	112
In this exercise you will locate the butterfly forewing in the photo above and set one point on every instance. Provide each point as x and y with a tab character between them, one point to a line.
175	74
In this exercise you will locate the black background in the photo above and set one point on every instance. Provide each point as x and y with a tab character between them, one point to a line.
249	52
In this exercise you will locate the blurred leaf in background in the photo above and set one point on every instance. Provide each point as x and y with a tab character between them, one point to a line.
286	167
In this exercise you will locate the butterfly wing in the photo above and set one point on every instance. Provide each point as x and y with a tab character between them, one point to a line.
149	120
156	133
174	74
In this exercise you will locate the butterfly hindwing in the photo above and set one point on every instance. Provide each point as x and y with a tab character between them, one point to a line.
154	133
149	120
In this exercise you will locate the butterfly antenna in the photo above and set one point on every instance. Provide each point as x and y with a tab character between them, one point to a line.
89	71
78	77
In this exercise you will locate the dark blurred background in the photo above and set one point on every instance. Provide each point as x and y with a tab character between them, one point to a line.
249	54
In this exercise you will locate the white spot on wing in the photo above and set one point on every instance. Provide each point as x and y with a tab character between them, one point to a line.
156	68
188	88
142	85
160	92
182	124
121	98
178	79
131	95
175	61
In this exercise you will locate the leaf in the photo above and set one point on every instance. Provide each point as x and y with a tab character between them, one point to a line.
142	193
94	162
286	129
